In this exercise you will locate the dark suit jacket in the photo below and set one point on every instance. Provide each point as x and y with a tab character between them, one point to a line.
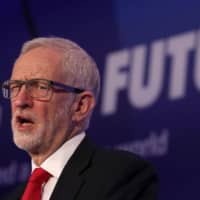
93	173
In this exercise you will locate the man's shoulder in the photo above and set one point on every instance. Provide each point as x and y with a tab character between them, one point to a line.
120	173
114	159
105	157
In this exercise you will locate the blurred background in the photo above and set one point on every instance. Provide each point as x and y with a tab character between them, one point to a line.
148	53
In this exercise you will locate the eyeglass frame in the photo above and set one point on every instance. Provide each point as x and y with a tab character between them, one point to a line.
51	85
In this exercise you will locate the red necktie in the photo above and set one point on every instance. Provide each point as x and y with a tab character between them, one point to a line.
35	184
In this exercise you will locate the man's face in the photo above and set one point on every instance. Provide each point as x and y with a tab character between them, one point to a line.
40	127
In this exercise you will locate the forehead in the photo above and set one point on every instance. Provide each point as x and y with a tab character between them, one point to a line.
39	62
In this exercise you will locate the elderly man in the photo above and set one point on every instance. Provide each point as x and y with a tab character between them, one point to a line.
53	90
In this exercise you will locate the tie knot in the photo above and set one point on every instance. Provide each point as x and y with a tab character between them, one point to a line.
35	184
40	176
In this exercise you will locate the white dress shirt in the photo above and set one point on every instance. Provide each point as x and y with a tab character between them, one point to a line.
57	161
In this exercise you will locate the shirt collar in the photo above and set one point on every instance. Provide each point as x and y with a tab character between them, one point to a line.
55	163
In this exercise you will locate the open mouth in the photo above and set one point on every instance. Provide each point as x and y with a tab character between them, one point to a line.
24	121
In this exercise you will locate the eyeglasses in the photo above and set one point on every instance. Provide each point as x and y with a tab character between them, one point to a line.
40	89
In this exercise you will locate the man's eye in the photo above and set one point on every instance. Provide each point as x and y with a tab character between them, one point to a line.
43	87
14	87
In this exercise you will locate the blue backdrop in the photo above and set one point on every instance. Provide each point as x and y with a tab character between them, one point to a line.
148	53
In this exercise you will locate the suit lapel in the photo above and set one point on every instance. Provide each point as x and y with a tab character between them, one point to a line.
71	181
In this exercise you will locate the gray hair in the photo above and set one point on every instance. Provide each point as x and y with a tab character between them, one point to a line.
80	66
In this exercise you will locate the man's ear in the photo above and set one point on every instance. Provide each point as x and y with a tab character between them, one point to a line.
83	106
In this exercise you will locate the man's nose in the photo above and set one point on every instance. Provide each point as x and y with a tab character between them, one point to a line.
23	99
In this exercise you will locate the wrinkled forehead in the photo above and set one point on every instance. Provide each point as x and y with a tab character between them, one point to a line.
39	63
